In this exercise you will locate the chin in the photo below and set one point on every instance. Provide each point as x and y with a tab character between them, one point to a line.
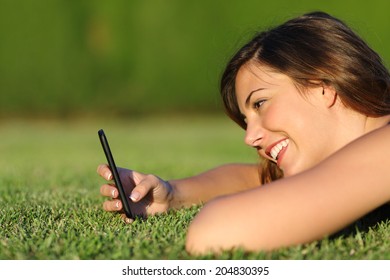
287	174
291	171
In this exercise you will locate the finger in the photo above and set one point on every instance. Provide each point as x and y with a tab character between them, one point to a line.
104	171
142	189
112	205
126	219
109	191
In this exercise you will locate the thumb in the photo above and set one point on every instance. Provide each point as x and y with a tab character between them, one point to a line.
142	189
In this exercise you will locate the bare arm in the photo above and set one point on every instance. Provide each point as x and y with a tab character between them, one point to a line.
222	180
301	208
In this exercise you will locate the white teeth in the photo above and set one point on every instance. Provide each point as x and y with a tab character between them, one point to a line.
277	148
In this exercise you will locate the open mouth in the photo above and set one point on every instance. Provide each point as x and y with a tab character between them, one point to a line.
276	149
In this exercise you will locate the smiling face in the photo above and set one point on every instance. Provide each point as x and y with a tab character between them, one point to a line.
291	128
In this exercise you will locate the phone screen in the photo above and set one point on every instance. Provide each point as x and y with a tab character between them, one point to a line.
115	174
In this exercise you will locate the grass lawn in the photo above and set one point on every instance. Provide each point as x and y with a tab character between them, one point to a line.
50	207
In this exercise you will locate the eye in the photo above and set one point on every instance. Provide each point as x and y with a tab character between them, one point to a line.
258	104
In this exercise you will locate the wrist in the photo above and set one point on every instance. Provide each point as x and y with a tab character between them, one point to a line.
172	198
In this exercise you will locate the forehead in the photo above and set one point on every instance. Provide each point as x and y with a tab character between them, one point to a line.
252	76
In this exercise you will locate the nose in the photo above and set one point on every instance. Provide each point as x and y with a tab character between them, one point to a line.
254	134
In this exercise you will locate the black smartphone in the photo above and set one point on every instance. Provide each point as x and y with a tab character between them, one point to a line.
115	174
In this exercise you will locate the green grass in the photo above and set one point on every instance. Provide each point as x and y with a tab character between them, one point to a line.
50	207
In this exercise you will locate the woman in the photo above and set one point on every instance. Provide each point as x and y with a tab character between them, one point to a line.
314	100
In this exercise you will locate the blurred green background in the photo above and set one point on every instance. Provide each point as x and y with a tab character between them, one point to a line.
122	58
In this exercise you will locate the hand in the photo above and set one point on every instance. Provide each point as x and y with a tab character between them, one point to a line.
148	194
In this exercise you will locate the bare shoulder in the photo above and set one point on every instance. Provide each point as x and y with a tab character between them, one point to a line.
372	151
380	135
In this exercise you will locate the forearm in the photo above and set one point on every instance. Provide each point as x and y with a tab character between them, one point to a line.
225	179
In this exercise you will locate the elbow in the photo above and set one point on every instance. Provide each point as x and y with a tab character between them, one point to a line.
212	230
198	242
224	224
201	233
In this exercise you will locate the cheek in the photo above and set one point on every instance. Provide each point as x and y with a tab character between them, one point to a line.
288	116
272	117
280	117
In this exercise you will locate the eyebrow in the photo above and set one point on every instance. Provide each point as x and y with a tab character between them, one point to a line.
250	95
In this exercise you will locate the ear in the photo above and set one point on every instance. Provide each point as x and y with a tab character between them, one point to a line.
329	96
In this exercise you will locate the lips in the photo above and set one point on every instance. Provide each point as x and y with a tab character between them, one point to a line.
275	149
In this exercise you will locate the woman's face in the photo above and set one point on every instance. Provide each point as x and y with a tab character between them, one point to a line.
286	126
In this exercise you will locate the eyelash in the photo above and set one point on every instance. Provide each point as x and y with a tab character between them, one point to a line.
258	104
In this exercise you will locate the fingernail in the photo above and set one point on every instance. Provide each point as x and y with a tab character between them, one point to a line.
109	176
113	193
135	196
117	205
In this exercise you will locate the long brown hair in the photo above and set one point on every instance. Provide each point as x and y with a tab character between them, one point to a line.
314	47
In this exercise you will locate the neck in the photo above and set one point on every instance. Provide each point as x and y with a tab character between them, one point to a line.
375	123
352	125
